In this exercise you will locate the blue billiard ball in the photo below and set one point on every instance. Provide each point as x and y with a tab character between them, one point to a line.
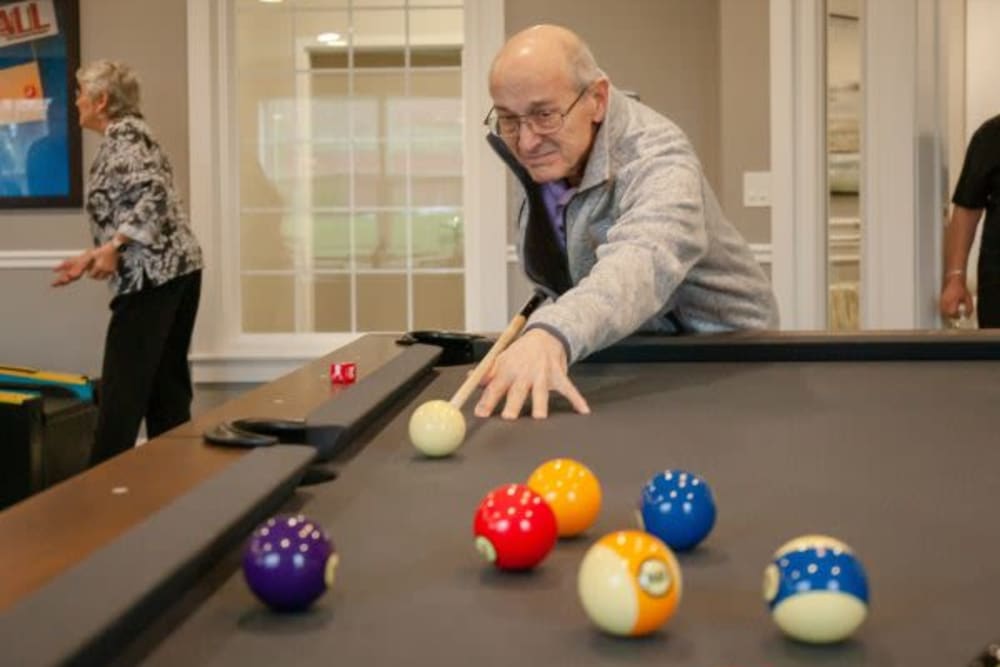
677	507
816	589
289	562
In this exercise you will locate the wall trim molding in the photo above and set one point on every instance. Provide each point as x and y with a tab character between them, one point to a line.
34	259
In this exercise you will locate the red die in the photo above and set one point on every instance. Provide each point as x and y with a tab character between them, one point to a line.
345	373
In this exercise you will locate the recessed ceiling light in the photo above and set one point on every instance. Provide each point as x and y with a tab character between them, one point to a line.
328	37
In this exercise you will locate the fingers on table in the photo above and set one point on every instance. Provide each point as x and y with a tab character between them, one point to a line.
516	396
573	395
492	394
540	400
517	392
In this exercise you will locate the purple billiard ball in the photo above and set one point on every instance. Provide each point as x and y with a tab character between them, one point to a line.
289	562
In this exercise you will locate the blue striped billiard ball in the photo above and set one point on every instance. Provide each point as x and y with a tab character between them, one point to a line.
816	589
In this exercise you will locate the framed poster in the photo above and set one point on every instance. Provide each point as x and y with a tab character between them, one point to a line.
40	157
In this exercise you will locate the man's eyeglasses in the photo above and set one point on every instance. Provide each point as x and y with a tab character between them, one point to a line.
544	121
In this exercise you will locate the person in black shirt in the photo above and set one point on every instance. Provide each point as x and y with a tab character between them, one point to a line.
978	190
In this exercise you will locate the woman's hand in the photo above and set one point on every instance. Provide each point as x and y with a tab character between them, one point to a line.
72	269
105	262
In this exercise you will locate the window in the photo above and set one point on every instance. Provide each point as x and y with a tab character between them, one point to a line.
348	137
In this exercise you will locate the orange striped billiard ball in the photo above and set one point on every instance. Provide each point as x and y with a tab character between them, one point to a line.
629	583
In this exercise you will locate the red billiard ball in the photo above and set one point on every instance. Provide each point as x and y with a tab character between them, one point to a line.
515	528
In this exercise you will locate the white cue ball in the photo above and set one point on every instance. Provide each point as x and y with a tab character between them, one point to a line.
437	428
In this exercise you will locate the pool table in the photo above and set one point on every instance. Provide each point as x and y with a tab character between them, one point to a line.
885	441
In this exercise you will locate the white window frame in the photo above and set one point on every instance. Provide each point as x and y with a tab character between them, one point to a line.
221	352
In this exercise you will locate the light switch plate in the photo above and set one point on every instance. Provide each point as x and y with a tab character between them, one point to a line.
756	188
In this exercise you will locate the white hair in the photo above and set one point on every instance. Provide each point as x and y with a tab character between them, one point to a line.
116	80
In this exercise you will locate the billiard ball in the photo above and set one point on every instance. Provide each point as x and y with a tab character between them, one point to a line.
816	589
629	583
571	490
678	508
988	657
289	562
437	428
515	528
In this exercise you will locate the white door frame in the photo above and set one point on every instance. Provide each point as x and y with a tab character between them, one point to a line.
485	184
798	168
902	145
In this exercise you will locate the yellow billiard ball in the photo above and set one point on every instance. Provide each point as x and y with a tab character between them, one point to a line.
571	490
437	428
629	583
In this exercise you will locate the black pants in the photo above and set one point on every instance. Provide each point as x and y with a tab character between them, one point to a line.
988	302
145	371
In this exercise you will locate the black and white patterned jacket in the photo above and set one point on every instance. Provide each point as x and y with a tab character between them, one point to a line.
130	191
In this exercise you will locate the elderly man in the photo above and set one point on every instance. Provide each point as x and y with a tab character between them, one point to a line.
618	226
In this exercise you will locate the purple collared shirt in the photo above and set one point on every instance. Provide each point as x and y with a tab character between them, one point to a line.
556	194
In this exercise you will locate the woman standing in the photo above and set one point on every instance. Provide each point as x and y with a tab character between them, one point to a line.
144	247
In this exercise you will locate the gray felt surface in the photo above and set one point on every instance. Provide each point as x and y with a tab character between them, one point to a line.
897	459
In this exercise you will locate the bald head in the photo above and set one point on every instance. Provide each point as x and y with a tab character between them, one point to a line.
552	97
549	50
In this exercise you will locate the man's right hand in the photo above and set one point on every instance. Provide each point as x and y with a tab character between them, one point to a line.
955	294
533	365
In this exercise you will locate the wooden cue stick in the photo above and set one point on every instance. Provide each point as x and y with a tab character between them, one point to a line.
509	334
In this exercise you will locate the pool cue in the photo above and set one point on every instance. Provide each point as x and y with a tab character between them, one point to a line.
508	335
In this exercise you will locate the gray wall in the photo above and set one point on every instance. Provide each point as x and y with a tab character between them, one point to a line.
745	114
666	50
64	329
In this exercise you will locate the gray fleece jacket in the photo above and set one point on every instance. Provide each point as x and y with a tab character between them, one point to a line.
645	238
